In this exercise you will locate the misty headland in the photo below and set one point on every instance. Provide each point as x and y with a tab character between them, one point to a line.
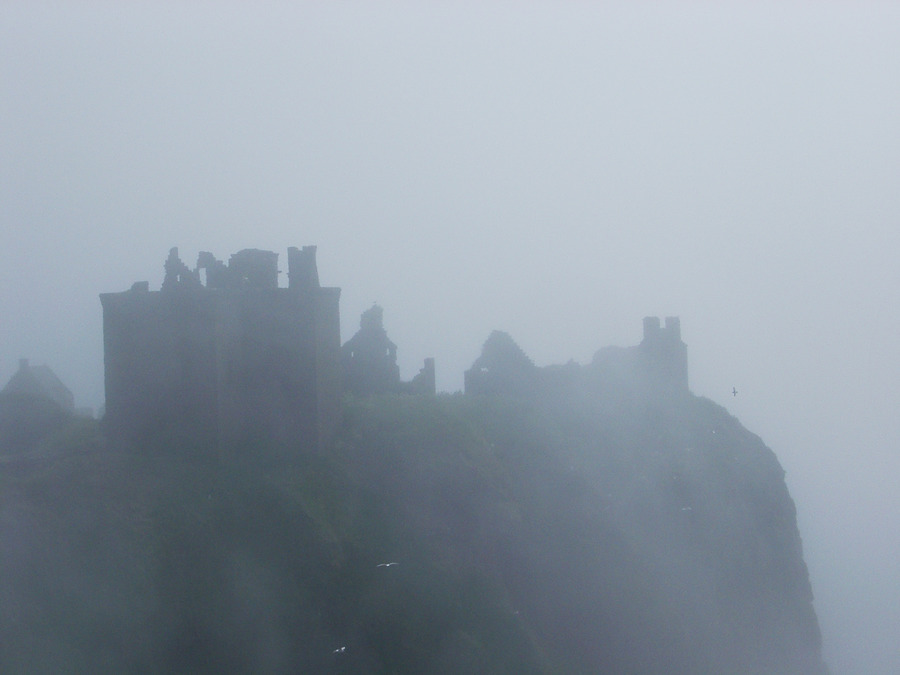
260	497
553	170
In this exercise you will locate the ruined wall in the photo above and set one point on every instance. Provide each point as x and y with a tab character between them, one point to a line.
424	382
501	368
159	364
369	362
226	363
663	356
328	360
658	365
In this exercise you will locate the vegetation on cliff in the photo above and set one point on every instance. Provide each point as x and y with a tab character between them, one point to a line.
600	531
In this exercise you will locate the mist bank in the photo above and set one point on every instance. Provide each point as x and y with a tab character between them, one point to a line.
591	525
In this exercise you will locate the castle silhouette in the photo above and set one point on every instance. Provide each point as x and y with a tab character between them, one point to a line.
222	356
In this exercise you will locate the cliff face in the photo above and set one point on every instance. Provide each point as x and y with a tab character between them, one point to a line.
584	526
627	533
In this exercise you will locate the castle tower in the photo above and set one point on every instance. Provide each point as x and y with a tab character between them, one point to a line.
663	356
369	361
225	363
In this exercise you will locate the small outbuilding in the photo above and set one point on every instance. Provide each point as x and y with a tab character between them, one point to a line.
41	382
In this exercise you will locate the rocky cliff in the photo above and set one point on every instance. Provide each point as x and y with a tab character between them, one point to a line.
588	523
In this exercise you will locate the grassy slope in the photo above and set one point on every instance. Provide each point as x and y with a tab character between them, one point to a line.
593	534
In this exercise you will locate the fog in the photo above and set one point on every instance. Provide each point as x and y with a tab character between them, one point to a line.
557	172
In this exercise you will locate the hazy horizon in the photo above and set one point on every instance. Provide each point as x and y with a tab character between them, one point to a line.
557	172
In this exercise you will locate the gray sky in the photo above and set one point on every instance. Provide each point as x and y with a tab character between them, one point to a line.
556	171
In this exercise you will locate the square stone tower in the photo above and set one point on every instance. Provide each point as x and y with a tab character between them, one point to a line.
222	357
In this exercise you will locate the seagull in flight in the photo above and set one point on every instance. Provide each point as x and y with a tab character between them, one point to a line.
733	391
386	564
339	650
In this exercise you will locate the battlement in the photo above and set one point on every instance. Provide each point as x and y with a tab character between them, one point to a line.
250	268
255	268
653	331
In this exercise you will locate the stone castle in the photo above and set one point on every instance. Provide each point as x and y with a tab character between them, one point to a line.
222	356
656	366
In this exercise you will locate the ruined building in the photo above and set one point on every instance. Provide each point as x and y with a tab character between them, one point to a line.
658	365
661	357
369	361
222	355
502	368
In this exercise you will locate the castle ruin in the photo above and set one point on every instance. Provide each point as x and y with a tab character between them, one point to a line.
369	361
221	355
658	365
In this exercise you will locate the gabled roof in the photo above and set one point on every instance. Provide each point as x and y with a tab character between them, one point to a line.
40	381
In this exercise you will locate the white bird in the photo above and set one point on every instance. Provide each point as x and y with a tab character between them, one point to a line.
339	650
386	564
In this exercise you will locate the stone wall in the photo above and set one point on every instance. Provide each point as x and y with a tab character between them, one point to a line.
227	362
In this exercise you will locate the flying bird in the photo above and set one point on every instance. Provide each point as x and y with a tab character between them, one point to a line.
339	650
386	564
733	391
